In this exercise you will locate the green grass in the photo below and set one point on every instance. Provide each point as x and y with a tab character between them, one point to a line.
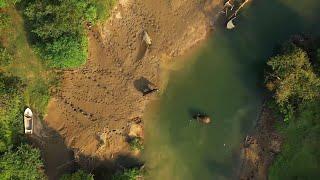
300	156
104	8
26	65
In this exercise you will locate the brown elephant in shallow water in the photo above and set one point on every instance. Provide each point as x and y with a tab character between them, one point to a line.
205	119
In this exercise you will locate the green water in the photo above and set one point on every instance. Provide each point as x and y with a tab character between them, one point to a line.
225	81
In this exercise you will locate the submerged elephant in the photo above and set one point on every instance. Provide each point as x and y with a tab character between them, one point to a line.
205	119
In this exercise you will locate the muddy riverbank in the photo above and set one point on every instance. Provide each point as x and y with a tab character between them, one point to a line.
96	104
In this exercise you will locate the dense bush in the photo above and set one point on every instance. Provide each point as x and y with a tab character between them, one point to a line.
22	164
127	174
37	95
136	144
73	50
4	22
296	89
5	3
300	156
79	175
292	77
57	28
5	57
10	111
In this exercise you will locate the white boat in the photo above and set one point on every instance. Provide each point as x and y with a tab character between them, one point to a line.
28	121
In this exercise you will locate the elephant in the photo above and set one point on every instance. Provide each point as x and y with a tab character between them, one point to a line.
205	119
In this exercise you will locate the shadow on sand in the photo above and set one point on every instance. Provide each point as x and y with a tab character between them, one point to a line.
59	159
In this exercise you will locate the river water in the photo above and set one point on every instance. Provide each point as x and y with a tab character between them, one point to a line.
225	80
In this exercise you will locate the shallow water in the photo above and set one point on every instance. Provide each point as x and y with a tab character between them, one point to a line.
226	82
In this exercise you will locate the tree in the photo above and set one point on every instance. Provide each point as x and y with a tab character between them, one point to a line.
23	164
58	30
292	77
79	175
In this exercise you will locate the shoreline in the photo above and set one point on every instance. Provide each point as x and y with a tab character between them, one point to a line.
97	104
260	147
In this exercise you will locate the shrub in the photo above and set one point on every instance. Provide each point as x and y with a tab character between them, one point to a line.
57	28
136	144
37	95
296	88
5	3
4	22
127	174
65	52
10	111
79	175
293	76
300	156
5	57
23	163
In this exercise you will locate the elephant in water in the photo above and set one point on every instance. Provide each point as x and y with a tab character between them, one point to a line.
205	119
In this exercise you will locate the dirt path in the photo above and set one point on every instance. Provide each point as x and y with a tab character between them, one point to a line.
98	102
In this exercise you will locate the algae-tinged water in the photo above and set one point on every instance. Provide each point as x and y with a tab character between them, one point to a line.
226	82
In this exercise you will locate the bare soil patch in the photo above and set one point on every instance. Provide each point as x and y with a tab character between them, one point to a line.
260	148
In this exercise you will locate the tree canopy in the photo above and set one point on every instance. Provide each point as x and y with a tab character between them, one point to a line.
10	116
24	163
296	88
292	76
5	3
57	28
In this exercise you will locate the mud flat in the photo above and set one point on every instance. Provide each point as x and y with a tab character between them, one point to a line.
260	147
97	104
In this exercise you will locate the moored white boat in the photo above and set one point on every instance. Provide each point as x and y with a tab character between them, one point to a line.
28	121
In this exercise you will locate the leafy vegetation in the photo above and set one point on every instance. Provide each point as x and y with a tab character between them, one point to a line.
5	57
37	95
128	174
20	72
300	156
17	159
293	78
57	28
23	163
4	22
296	92
79	175
10	116
136	144
6	3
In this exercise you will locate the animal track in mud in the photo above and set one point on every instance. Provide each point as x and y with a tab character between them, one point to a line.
77	109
